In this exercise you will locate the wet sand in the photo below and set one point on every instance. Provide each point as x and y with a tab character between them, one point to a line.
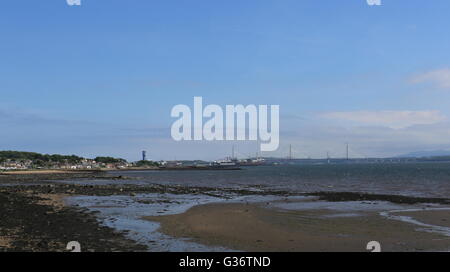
41	176
251	227
432	217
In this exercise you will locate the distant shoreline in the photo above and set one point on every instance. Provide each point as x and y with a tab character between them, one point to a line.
46	171
182	168
105	170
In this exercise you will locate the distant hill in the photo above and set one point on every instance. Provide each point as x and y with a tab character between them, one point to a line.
423	154
32	156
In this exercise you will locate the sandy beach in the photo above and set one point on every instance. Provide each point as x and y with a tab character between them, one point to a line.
253	227
40	172
433	217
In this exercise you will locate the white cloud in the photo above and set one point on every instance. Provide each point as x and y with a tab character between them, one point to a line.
439	78
315	140
391	119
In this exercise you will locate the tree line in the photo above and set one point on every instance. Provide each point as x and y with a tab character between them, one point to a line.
54	158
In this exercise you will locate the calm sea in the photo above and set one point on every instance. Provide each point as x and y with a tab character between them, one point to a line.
426	179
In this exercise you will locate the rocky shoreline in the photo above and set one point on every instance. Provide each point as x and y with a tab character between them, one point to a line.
33	221
28	225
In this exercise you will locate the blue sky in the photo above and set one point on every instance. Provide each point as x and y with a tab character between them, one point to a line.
101	78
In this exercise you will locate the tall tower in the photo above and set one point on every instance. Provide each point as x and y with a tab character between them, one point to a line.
347	151
144	153
290	152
